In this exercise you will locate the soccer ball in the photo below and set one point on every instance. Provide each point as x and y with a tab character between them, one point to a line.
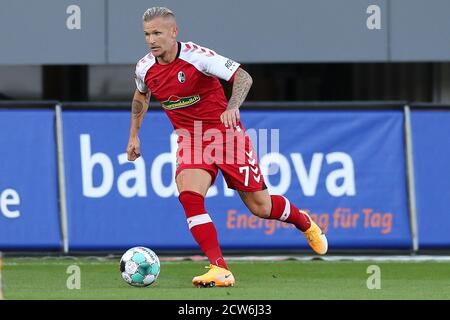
139	266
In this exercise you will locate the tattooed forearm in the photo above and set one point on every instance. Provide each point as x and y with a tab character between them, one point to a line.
136	108
241	86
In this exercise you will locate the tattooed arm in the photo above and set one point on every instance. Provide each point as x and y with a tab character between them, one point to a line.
241	86
139	107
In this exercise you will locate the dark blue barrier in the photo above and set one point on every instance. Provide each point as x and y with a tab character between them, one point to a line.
431	148
346	168
28	181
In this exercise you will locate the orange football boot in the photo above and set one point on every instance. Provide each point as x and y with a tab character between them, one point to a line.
215	277
316	238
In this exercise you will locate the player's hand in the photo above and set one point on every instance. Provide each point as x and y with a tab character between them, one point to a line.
230	118
133	148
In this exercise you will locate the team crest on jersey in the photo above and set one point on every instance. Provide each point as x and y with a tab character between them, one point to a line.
181	77
175	102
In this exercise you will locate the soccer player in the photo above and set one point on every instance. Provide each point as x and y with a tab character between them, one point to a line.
183	77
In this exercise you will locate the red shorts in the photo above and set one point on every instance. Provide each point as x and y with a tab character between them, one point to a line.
234	156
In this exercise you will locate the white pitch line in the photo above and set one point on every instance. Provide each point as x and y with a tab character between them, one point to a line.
416	258
92	260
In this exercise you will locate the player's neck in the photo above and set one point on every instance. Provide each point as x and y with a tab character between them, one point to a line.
170	55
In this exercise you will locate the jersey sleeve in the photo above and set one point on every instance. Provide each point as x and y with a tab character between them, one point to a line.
140	84
219	66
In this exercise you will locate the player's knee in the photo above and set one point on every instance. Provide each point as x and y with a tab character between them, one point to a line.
192	202
260	210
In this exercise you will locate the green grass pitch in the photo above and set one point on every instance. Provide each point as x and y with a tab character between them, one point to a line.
32	278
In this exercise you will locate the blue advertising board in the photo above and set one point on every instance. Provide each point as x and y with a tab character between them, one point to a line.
431	149
345	167
113	203
29	216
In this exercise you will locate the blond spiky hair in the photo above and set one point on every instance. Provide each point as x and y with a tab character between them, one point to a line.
154	12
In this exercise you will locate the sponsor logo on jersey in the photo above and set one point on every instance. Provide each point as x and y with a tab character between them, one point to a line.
230	64
181	77
175	102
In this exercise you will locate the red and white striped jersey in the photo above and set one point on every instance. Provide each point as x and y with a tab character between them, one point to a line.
188	88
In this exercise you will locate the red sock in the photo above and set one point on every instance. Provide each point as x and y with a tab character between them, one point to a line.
202	227
284	210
